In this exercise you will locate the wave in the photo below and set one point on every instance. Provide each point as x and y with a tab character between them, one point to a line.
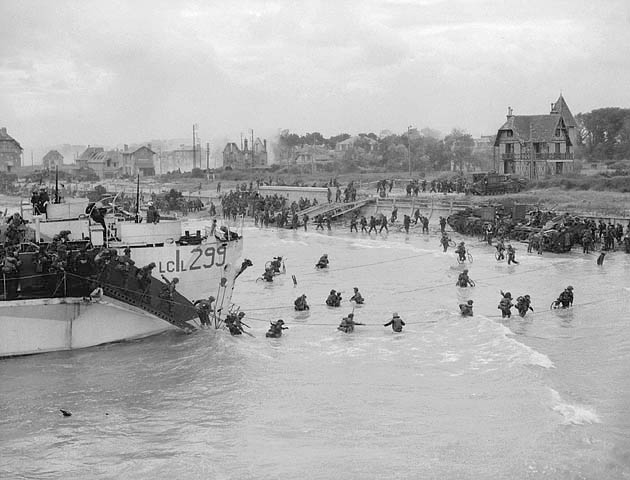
573	414
523	354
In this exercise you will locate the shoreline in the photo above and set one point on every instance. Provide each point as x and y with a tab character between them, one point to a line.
582	203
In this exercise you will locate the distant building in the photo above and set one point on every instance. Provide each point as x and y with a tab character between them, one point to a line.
535	146
88	154
368	144
10	152
484	144
313	155
52	159
139	161
232	156
246	158
106	164
182	159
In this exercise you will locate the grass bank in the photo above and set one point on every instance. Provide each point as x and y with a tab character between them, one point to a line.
585	202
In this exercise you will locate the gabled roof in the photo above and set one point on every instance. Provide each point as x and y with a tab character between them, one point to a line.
53	154
102	157
352	140
90	152
231	147
562	108
129	152
5	137
532	128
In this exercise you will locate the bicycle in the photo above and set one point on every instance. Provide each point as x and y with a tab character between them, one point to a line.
468	258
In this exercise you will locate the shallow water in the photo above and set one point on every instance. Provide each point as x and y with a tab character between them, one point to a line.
546	396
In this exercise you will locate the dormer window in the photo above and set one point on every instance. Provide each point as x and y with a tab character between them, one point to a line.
557	132
509	133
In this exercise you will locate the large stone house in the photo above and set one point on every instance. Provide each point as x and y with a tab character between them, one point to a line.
139	161
10	152
535	146
52	159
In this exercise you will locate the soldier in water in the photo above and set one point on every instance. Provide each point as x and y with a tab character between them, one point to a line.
396	322
347	324
466	309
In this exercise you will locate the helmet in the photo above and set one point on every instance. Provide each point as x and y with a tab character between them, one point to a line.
470	302
465	270
507	295
395	314
241	314
461	243
355	289
280	321
527	296
350	315
176	280
569	287
332	292
325	255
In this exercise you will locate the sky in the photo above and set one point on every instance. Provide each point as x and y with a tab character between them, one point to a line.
110	72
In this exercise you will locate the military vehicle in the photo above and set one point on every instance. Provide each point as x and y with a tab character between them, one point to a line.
492	183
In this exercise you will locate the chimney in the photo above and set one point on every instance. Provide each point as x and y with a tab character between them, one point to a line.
265	144
509	114
3	131
149	146
245	141
125	147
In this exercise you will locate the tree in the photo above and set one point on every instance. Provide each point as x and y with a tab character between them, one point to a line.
461	146
605	133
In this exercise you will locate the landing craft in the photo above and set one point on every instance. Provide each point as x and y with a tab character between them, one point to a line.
50	311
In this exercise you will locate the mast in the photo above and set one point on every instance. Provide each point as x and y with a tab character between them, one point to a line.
138	199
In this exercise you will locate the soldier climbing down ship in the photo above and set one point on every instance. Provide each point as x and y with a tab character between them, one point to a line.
167	293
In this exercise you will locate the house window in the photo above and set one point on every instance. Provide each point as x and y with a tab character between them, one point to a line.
509	133
557	132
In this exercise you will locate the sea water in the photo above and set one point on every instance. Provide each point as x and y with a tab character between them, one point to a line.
545	396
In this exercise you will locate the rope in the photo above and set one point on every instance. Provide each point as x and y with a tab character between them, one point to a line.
538	314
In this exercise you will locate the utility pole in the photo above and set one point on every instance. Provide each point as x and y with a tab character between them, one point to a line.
409	148
252	148
207	157
194	140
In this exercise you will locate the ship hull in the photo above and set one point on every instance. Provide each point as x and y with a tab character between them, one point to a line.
54	324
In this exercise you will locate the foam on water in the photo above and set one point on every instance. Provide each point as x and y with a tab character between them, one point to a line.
573	414
520	353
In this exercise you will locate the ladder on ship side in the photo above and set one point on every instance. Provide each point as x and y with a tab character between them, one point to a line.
176	311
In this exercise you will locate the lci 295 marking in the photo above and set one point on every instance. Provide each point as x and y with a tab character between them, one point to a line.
200	257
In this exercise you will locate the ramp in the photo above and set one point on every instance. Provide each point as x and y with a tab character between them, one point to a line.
176	312
334	210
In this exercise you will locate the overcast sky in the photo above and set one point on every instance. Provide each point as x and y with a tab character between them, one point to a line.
112	72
